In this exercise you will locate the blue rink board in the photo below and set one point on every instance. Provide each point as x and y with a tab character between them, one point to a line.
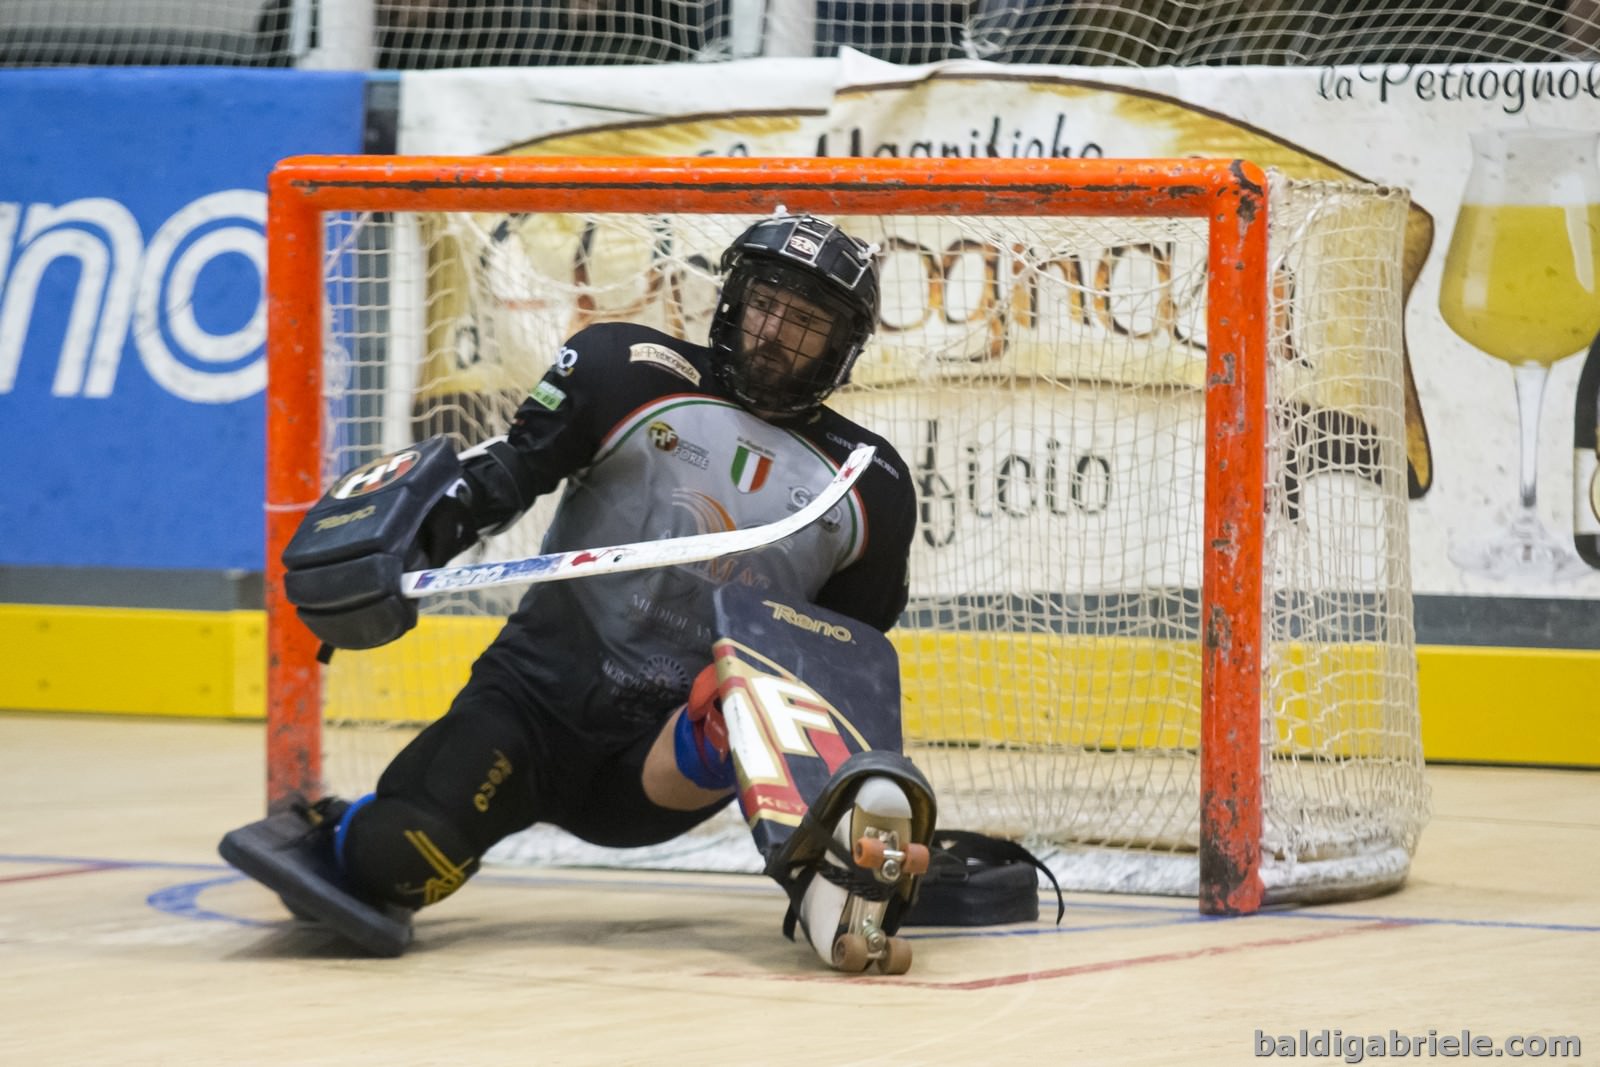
131	405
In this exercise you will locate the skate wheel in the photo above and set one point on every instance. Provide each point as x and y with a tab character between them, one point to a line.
869	852
850	953
917	859
896	958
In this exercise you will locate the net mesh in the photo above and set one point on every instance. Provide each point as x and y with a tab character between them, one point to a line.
1043	378
435	34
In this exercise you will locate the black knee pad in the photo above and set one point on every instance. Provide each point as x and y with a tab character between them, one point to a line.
462	784
474	767
405	853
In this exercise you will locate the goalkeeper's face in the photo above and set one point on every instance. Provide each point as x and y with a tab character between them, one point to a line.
785	352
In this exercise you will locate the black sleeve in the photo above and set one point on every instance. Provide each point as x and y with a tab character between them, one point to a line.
874	588
559	426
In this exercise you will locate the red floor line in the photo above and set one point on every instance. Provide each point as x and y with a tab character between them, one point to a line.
62	874
1165	957
1083	968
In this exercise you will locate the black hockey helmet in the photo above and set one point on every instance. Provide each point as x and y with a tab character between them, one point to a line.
789	268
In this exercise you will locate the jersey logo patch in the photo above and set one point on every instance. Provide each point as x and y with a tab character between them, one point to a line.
750	468
547	395
666	359
665	438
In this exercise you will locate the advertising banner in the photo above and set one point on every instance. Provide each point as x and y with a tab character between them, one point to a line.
132	324
1499	162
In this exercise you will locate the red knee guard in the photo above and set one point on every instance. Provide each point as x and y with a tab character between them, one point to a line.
705	710
701	744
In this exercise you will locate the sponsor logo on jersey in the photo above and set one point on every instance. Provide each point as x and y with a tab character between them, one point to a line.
680	626
369	478
566	359
667	675
707	511
334	521
665	438
877	459
751	465
547	395
665	358
784	613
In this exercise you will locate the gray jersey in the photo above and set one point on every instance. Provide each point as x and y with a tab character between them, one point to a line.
652	447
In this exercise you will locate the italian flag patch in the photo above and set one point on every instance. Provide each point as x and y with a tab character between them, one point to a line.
750	469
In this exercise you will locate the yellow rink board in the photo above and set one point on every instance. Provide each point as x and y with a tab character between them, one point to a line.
1497	705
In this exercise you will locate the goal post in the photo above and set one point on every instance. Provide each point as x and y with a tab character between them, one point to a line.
1217	644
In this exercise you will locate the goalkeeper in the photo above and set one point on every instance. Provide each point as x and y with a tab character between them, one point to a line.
580	712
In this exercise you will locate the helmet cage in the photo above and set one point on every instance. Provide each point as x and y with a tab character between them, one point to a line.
805	257
767	377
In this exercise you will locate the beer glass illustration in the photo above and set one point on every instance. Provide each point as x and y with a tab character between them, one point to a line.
1520	284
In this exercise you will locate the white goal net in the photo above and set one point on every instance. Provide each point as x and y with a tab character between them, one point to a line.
1045	380
439	34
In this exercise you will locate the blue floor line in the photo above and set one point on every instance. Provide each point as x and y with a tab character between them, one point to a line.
182	900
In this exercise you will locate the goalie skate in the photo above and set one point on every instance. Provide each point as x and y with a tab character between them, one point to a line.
872	860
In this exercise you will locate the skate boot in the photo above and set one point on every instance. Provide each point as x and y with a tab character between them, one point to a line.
850	895
292	853
844	911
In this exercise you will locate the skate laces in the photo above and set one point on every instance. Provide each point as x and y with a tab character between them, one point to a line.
851	879
858	882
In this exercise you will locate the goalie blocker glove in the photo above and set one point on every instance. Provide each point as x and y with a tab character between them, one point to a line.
415	508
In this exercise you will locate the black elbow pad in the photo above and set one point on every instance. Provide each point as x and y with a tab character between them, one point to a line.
503	486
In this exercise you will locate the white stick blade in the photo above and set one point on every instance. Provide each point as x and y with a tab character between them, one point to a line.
582	563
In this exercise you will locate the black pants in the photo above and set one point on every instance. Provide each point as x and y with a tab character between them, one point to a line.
493	765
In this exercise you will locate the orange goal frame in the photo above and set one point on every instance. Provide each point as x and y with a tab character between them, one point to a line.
1230	194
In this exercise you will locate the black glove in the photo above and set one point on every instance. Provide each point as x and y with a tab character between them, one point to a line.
404	511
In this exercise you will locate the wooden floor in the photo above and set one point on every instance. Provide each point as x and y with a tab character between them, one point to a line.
124	940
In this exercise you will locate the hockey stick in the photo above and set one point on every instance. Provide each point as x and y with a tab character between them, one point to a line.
580	563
